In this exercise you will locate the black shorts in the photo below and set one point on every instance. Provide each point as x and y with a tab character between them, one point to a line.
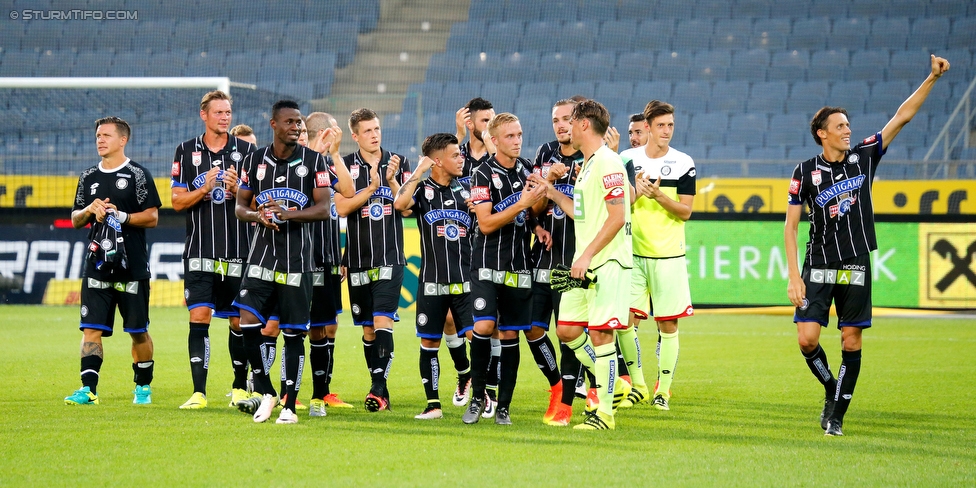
336	279
323	311
545	302
99	299
509	305
433	302
374	292
289	302
213	290
847	283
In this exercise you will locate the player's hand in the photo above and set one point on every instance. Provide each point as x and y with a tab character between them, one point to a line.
556	172
322	142
580	267
392	167
532	193
424	165
470	204
374	175
939	66
544	237
263	211
612	139
343	273
796	290
230	179
461	119
210	180
97	208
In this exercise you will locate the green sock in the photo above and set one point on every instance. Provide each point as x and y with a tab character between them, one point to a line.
605	369
667	362
582	347
630	348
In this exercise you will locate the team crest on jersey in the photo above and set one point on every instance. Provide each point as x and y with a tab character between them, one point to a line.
236	157
496	180
262	169
545	170
106	244
665	170
451	232
557	212
465	194
428	193
84	310
520	218
301	171
843	206
121	183
816	178
354	171
321	179
854	158
176	169
376	211
197	158
218	195
333	212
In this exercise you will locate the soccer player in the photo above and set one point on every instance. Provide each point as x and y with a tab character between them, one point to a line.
444	222
558	162
637	130
501	285
204	186
118	198
836	187
324	136
290	185
374	247
245	133
473	117
604	253
665	186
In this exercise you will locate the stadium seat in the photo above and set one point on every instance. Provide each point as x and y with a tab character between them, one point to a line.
598	11
810	33
525	11
750	65
501	95
560	11
747	129
849	33
545	91
655	35
445	67
770	33
866	125
529	106
612	89
84	36
712	65
751	9
633	10
789	130
618	35
931	34
729	97
889	33
645	91
767	153
40	36
888	95
555	66
96	63
672	67
911	65
807	96
690	33
727	152
868	65
130	64
633	66
584	88
192	35
582	37
789	65
953	9
961	35
790	9
829	65
850	95
710	128
732	33
692	96
797	154
504	36
55	63
489	10
769	97
594	66
541	35
710	9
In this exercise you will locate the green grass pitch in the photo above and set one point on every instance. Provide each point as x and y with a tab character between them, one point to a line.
744	412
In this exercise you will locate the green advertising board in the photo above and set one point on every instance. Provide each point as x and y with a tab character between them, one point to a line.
744	263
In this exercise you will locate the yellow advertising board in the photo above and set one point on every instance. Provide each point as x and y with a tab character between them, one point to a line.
769	195
947	265
55	191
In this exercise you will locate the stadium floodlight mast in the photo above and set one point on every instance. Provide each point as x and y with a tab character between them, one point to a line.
220	83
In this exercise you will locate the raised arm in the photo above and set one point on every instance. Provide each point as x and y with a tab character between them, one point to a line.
910	106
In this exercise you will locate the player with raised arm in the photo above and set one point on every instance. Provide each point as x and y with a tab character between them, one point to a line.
439	204
374	247
118	198
836	187
501	279
290	185
602	260
665	186
204	185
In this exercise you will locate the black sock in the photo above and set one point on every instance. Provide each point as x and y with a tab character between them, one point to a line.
198	344
817	362
257	352
318	359
238	359
590	378
545	358
480	359
294	363
846	381
622	369
90	366
142	372
384	360
459	355
509	362
430	371
368	353
330	349
570	367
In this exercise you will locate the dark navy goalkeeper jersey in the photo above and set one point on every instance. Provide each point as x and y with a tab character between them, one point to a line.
554	220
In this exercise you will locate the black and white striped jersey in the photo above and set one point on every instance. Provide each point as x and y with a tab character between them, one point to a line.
839	198
289	182
374	233
212	229
506	249
131	189
554	220
323	230
470	163
445	224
